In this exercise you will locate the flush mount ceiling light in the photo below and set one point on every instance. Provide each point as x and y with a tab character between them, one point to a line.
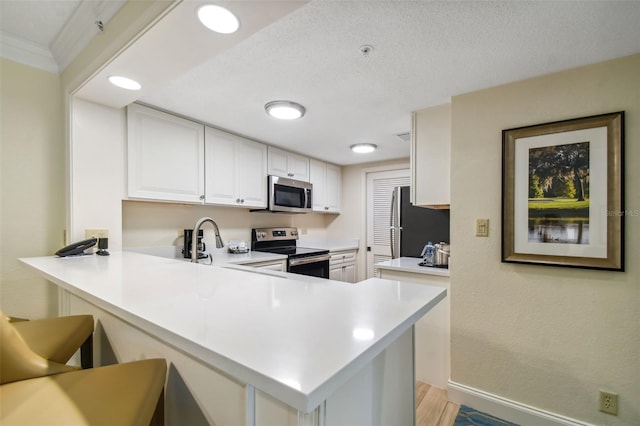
218	19
284	110
124	82
363	148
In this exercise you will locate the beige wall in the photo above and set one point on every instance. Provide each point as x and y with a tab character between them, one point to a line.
544	336
32	194
152	224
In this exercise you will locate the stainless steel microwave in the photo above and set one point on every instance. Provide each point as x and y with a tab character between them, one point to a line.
288	195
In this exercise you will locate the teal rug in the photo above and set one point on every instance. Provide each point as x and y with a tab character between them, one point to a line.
470	417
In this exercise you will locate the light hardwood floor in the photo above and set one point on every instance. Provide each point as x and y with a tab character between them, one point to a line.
433	408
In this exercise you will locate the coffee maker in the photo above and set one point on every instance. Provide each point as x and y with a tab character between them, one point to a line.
188	238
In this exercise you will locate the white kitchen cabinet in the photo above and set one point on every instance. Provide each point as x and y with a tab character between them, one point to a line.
342	266
165	156
431	157
327	181
287	164
235	170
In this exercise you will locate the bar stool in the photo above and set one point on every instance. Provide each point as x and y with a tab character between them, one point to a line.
34	390
57	339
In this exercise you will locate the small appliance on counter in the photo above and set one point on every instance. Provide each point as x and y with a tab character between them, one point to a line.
187	238
436	255
238	246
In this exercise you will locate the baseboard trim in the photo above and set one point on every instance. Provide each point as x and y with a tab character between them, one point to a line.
506	409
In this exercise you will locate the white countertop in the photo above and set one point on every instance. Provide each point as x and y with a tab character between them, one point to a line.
220	256
410	264
293	339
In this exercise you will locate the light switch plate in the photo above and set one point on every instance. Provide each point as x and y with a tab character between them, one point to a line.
482	227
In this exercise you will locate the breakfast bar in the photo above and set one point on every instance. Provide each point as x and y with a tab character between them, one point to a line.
251	348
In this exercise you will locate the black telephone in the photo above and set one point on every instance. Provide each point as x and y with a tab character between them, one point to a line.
77	248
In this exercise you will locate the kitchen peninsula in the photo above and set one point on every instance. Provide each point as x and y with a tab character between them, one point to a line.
249	348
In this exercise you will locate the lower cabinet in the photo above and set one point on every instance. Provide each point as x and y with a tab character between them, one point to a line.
342	266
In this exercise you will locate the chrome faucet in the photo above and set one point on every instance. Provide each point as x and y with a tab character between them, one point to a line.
194	240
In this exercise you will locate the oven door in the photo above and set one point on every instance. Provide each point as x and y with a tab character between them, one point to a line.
289	195
314	266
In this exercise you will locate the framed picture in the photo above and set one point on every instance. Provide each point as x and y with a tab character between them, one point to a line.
562	193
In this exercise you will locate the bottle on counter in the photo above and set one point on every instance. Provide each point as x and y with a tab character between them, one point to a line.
429	254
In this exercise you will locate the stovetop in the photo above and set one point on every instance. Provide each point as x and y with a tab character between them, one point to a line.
281	241
293	251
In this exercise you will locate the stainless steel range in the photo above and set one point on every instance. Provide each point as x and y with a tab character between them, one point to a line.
300	260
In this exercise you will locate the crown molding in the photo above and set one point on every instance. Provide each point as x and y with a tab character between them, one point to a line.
81	28
28	53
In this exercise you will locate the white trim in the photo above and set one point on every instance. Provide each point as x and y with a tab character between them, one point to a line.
507	409
81	29
27	53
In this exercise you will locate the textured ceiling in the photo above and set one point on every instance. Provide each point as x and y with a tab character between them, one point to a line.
423	53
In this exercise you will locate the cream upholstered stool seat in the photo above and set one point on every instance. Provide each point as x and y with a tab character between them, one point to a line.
57	339
122	394
36	391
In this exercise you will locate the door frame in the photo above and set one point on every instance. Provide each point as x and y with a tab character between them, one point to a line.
363	190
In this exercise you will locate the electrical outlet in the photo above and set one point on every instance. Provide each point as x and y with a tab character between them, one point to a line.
96	233
609	402
482	227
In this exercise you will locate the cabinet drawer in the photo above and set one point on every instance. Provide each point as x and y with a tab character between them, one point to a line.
342	257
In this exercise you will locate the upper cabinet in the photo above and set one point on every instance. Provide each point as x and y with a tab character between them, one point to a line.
431	157
327	181
287	164
165	156
235	170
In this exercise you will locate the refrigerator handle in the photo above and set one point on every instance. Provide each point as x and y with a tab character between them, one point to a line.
391	224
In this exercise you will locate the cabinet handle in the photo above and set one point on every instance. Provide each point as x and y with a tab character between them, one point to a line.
290	174
202	197
237	200
242	200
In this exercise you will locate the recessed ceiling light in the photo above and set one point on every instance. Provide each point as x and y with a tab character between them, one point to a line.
363	148
284	110
218	19
124	82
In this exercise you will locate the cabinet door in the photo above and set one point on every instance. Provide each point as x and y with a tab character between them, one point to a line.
278	162
335	273
165	156
431	157
253	174
221	150
349	273
333	184
287	164
298	166
317	177
235	170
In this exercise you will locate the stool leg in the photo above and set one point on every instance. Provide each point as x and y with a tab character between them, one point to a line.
86	353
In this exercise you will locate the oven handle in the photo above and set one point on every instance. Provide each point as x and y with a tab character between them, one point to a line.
310	259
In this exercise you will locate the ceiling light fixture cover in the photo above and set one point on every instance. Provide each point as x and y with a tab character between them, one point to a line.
124	82
285	110
364	148
218	19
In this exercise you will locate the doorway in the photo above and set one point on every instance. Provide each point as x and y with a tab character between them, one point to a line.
380	185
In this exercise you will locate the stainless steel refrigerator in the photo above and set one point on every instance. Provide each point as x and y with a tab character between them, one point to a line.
412	227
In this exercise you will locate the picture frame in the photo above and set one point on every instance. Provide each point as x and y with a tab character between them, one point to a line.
563	193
